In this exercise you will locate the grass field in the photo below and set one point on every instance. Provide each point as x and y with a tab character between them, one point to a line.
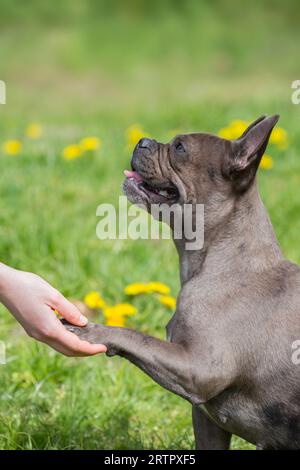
89	68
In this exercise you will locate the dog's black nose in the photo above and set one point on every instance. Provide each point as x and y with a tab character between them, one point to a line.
144	143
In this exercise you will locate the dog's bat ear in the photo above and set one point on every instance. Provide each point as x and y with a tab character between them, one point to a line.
261	118
247	150
250	147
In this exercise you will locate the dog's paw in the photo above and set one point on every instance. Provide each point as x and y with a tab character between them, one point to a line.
91	332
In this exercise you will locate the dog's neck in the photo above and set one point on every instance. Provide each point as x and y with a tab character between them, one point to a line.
243	241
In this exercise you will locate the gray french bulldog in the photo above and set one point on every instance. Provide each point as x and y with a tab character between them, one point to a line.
229	348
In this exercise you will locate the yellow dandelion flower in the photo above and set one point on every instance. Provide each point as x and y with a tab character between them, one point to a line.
12	147
147	288
134	134
71	152
136	288
238	126
116	314
34	131
126	309
123	309
225	133
94	300
234	130
158	287
266	162
90	144
168	301
279	138
115	320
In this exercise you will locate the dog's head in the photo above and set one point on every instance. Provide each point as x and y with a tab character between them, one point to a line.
197	168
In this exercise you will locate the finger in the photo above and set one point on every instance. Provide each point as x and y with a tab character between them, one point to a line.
76	346
59	348
79	352
69	311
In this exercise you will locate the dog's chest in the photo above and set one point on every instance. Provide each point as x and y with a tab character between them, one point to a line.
236	416
271	426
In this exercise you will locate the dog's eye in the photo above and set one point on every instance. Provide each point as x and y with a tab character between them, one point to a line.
179	148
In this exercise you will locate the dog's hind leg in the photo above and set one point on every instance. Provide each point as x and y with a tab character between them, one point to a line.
208	435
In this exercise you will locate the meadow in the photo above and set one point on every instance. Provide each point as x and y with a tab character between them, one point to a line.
88	68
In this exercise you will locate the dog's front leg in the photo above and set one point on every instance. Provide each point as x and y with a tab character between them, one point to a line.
167	363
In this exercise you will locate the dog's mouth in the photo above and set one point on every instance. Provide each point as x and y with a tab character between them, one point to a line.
165	193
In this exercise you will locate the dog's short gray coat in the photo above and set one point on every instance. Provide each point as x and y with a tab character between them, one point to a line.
229	348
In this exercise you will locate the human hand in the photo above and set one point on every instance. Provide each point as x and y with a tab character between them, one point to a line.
32	301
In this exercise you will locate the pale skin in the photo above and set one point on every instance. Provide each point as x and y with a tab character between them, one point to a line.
32	301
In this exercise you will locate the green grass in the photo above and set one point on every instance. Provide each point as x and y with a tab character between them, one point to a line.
94	70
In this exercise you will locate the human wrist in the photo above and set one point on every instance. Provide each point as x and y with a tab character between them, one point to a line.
5	273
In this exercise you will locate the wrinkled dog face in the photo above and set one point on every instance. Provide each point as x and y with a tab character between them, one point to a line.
196	168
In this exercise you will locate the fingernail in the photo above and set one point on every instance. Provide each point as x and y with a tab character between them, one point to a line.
83	319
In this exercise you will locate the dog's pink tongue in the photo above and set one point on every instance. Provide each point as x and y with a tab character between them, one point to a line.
134	175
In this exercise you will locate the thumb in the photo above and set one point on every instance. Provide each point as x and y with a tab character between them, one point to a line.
68	311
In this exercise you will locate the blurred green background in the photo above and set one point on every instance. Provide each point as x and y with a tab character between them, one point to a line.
94	68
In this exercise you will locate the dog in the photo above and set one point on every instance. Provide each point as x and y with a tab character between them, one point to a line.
229	348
